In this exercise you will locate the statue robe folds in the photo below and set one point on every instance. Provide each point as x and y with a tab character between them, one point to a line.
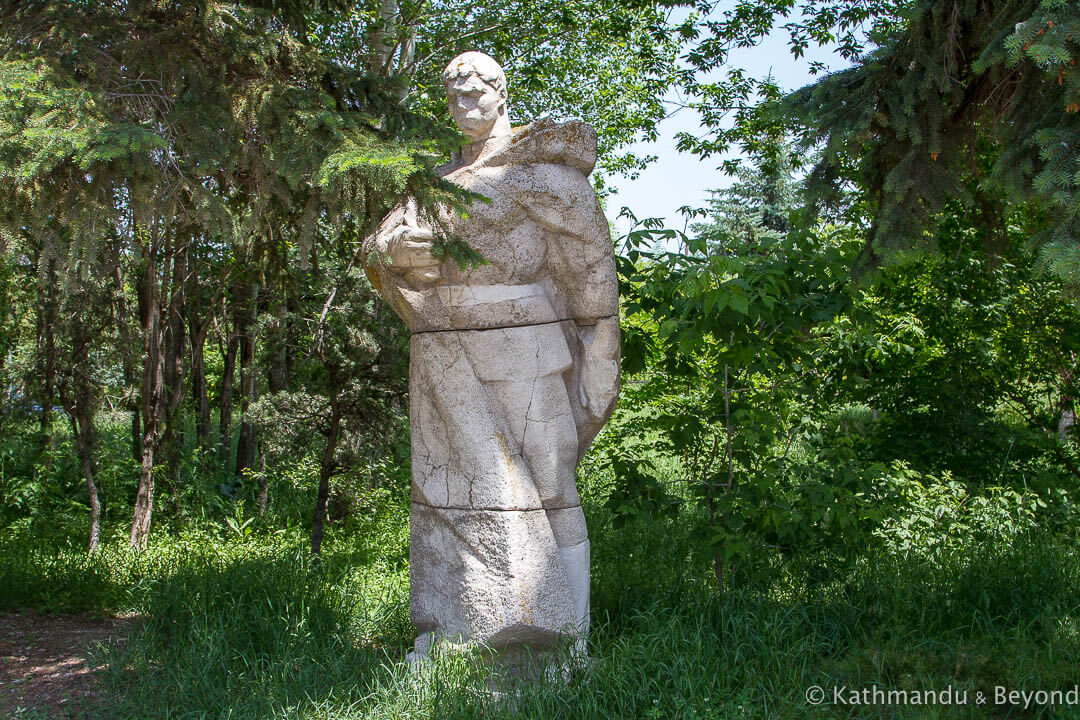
513	371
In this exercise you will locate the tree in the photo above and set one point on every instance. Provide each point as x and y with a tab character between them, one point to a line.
8	329
83	321
351	377
609	63
911	120
216	158
734	312
167	125
734	105
965	354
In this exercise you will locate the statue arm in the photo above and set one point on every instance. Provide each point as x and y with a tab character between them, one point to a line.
581	261
581	258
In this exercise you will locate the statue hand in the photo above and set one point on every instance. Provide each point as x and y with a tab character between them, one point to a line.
598	386
410	247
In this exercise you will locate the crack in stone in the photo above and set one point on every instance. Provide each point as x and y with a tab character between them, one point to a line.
494	509
532	398
508	327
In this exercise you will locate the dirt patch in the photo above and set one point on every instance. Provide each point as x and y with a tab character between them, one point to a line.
45	665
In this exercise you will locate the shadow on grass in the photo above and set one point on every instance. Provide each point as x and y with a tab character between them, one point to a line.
251	636
277	636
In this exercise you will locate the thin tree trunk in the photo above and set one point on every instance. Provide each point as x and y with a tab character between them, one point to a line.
126	355
79	405
198	387
46	357
175	345
198	322
5	305
83	424
144	499
277	374
228	373
245	446
92	492
278	341
326	470
152	395
95	506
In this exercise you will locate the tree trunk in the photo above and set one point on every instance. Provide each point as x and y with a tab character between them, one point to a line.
381	36
277	373
144	499
152	400
83	427
278	341
175	341
92	492
247	309
46	357
78	402
1066	421
6	339
198	322
225	409
95	507
326	470
198	388
126	355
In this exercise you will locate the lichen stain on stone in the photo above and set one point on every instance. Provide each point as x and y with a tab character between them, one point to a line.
528	612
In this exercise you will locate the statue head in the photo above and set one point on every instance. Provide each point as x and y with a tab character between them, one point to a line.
476	91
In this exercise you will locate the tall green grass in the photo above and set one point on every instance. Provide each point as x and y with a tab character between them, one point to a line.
240	622
255	628
274	635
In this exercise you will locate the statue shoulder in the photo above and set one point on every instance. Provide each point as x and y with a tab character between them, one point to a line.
571	144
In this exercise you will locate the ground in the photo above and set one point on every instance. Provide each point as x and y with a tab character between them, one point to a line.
46	663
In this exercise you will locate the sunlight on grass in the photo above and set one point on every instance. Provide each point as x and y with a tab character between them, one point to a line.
258	629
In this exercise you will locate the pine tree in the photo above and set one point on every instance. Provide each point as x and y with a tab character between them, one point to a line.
975	100
754	211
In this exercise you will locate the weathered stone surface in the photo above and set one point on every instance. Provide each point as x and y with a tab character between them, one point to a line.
514	369
489	576
492	425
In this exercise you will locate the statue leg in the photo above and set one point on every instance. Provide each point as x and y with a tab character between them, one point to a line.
541	419
488	432
572	538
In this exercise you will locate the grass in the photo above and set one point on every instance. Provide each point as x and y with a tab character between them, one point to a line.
252	627
244	624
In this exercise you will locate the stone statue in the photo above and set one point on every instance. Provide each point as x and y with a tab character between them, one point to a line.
514	369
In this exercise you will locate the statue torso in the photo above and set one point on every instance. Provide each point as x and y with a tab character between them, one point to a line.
514	246
516	232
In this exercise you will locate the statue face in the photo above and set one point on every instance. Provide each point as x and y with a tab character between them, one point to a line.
474	104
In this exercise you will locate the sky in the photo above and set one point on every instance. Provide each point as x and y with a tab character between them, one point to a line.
675	178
